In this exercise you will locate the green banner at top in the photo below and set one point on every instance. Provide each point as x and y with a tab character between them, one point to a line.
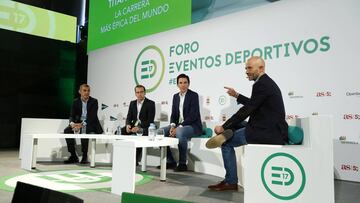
115	21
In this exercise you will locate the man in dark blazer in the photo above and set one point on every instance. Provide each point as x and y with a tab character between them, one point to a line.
140	114
185	121
266	124
83	112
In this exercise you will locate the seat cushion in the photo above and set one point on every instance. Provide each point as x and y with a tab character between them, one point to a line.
296	135
206	133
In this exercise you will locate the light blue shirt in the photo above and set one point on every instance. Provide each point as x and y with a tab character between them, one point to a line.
84	110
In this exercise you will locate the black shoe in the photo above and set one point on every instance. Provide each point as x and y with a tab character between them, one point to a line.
84	160
71	160
168	166
181	168
219	139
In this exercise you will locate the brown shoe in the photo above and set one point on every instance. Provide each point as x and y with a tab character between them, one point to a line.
216	185
219	139
224	186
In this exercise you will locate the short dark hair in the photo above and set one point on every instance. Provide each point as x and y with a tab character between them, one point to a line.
84	85
182	75
139	86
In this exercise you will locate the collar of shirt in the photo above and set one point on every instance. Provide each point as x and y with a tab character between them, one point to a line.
182	94
257	79
140	102
84	100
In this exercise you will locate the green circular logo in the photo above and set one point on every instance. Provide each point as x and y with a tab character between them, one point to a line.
149	68
283	176
222	100
80	180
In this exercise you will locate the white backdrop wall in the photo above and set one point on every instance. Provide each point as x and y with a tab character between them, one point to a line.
311	50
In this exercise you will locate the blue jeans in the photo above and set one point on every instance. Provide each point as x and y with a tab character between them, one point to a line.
229	157
183	134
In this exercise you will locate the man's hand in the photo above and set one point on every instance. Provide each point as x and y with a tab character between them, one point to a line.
231	92
76	125
218	129
172	132
128	128
134	129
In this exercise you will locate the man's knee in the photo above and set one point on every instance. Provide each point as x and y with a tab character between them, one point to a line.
182	134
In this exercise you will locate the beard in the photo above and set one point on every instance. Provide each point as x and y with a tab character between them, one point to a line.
252	77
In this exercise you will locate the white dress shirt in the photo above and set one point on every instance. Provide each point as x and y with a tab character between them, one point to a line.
181	106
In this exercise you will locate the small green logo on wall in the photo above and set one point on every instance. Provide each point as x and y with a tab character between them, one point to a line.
149	68
68	180
283	176
222	100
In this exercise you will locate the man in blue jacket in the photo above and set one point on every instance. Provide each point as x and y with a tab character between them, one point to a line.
266	124
185	121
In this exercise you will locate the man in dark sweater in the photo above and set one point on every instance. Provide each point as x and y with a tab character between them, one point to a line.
266	125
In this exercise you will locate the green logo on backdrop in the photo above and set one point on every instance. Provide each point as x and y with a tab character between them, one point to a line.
222	100
283	176
149	67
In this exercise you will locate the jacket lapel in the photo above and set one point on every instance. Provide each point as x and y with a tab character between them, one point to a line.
186	102
142	107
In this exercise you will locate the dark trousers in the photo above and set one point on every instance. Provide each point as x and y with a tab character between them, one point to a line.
71	143
138	150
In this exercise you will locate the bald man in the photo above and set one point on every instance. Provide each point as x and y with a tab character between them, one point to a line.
266	124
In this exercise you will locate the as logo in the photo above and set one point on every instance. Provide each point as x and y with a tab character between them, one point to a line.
283	176
149	68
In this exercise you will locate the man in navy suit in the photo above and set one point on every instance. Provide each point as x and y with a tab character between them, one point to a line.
83	112
185	121
266	124
140	114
